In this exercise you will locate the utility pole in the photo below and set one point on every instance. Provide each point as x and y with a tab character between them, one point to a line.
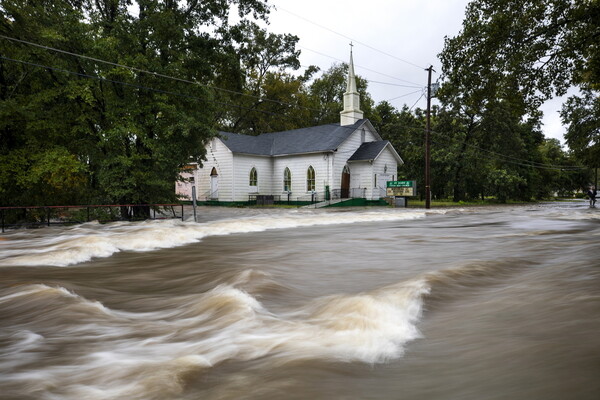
427	145
194	201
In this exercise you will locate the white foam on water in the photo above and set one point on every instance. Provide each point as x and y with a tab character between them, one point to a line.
223	324
35	289
92	241
369	327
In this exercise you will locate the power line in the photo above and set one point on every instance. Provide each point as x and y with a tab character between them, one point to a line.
407	94
141	86
513	160
394	84
505	158
415	86
156	74
348	37
420	97
358	66
176	78
159	75
501	158
166	91
369	80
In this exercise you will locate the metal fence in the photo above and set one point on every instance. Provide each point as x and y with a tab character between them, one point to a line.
25	217
307	199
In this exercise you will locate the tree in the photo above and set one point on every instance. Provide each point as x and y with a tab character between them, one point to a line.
271	96
327	95
98	132
581	114
563	180
509	57
276	100
544	46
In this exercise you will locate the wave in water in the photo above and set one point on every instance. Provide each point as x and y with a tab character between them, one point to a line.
59	344
84	242
117	354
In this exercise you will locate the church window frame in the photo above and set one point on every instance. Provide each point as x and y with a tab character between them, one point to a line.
287	180
310	179
253	178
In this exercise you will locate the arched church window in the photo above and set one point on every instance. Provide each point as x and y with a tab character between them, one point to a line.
310	179
287	180
253	177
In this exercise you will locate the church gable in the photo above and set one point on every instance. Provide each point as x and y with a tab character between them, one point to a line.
370	151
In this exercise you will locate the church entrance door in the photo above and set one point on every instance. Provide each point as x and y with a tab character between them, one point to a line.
345	188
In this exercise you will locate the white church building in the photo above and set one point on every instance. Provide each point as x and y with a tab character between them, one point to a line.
333	161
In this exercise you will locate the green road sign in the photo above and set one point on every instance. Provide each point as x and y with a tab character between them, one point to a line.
397	184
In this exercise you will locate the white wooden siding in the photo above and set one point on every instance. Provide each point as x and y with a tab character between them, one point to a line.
344	152
218	156
298	165
385	158
264	170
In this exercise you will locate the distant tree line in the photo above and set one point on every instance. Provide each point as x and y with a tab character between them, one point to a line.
77	130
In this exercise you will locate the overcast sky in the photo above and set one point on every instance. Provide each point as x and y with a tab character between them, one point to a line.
394	41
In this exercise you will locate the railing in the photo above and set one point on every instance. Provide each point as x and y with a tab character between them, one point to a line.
264	200
306	199
36	216
336	194
209	195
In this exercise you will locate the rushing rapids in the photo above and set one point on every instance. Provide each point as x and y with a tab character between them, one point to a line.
474	303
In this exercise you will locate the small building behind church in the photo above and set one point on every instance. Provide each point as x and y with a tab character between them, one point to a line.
333	161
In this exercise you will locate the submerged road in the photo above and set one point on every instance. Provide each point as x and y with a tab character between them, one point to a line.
476	303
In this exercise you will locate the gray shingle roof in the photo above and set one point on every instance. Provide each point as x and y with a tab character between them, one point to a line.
247	144
305	140
368	150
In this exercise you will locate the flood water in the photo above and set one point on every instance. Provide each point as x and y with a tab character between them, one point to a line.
478	303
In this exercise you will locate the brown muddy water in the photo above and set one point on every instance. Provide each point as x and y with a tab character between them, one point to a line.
482	303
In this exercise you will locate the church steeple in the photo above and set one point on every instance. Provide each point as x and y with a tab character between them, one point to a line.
351	112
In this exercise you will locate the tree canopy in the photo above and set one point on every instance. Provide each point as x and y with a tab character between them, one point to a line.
97	131
511	56
541	47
